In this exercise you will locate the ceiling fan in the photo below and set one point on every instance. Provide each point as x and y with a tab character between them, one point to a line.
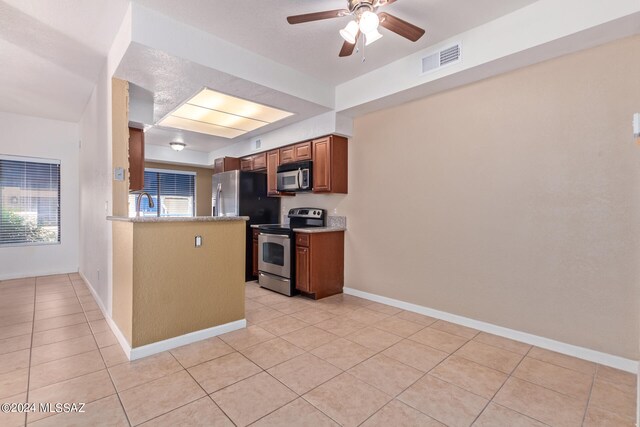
366	20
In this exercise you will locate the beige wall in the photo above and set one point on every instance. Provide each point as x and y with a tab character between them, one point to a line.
513	201
170	288
203	184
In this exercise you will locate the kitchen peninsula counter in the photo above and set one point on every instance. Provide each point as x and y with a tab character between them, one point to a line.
164	286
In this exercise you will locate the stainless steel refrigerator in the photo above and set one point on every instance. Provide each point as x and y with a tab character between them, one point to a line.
238	193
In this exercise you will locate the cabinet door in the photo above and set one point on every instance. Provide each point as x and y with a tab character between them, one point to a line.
302	269
322	165
287	155
136	159
303	151
259	161
246	164
255	257
218	165
272	169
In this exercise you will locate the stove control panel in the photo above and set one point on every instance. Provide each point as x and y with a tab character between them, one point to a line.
306	213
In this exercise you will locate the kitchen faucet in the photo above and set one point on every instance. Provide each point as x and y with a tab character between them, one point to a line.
139	201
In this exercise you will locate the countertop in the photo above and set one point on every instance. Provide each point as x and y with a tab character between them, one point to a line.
178	218
312	230
309	230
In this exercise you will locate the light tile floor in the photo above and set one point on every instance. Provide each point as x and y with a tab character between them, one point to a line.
339	361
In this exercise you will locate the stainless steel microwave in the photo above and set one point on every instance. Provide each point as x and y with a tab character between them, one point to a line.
296	176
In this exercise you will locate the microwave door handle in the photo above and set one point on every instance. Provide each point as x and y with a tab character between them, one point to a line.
299	177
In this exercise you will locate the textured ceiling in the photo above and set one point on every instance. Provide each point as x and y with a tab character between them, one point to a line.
260	26
173	80
53	52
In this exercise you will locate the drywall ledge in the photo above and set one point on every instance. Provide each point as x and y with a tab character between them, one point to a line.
617	362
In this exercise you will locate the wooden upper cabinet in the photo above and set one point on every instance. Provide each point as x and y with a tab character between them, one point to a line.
330	160
225	164
273	157
303	151
246	164
259	161
295	153
136	159
287	155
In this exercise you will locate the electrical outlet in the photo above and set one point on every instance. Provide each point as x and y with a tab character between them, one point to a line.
198	241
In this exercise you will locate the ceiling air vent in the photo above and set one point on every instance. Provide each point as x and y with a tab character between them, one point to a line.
447	56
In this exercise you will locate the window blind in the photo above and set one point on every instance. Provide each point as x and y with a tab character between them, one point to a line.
173	194
29	201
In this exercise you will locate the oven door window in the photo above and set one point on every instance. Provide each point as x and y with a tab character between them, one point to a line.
273	253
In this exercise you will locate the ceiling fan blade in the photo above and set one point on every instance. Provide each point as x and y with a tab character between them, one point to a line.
401	27
348	48
317	16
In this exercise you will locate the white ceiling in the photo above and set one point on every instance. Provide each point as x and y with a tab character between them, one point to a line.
260	26
52	53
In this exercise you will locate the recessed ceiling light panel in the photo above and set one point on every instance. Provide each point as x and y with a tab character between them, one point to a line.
217	114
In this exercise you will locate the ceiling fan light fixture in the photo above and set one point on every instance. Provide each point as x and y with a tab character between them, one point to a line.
372	37
350	32
369	22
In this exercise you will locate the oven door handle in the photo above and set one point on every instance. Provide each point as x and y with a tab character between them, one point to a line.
280	236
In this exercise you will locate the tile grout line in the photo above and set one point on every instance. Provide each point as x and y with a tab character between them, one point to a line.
33	324
200	385
509	375
101	356
593	382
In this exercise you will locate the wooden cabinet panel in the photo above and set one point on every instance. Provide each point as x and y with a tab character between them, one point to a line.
287	155
321	165
272	169
303	151
330	163
225	164
259	161
302	240
136	159
302	269
246	164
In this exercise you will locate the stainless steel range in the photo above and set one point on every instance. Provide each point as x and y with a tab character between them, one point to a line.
276	249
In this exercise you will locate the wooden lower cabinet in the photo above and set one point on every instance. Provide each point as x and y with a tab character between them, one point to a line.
320	263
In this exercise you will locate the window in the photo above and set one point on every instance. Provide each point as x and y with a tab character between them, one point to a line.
174	189
29	201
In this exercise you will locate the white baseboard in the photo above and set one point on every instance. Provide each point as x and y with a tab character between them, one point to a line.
160	346
546	343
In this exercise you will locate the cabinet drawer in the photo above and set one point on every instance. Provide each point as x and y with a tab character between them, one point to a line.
302	240
256	232
260	161
303	151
